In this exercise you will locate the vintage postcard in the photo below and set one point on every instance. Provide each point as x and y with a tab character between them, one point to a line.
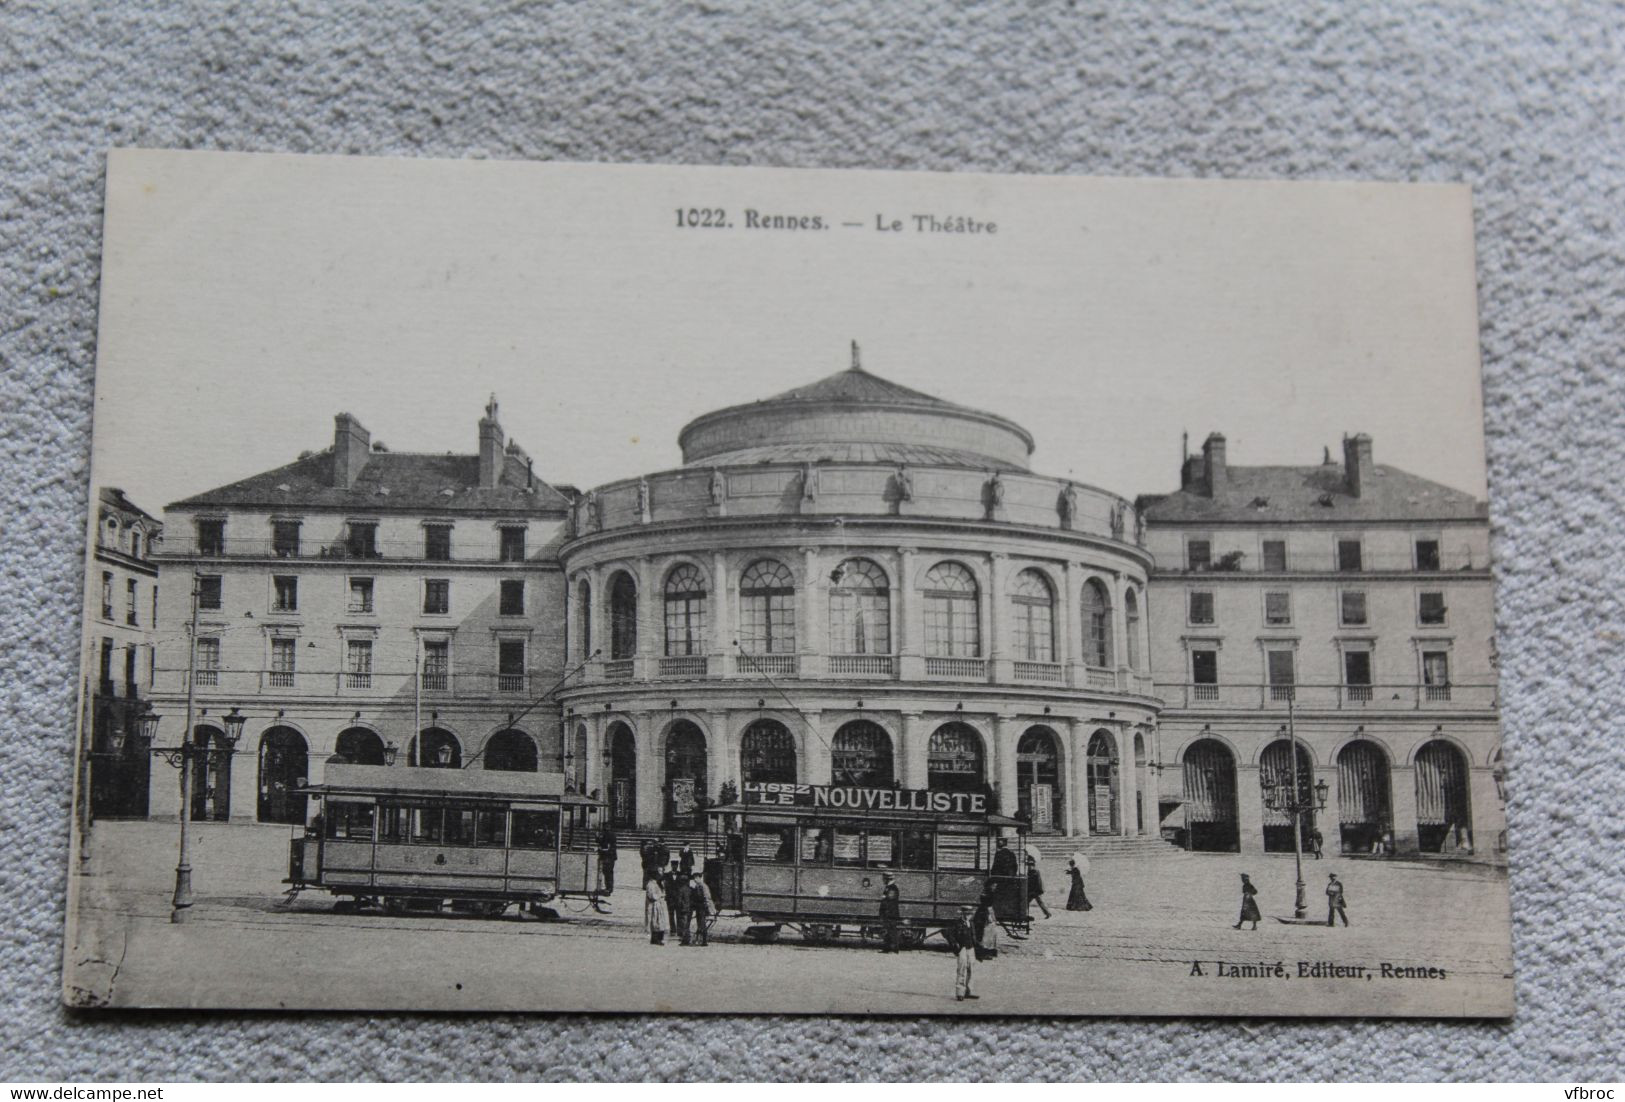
567	587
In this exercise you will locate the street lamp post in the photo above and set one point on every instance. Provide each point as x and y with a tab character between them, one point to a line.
182	758
1294	802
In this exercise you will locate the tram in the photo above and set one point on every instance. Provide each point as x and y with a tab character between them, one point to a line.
814	858
422	840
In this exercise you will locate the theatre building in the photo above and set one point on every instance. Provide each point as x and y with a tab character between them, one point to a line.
859	584
1351	605
380	606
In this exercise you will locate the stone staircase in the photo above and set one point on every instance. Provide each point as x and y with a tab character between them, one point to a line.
1058	847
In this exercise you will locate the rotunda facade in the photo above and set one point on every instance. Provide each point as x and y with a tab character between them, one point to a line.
857	583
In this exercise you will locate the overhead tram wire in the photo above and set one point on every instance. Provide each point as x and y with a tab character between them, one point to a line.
780	690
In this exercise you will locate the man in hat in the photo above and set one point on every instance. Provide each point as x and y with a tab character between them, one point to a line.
961	937
701	906
891	915
1008	883
1334	901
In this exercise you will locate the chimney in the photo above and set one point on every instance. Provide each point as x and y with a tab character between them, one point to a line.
491	456
351	444
1213	461
1358	469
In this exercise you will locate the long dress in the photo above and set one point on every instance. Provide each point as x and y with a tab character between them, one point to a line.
1075	899
1249	907
654	912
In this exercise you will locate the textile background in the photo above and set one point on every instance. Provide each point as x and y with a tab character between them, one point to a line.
1523	102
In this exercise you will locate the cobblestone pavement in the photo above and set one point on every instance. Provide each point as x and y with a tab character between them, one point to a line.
1159	941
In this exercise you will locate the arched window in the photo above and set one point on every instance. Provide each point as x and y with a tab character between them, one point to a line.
1131	627
360	746
686	762
284	763
584	615
767	754
954	761
511	751
623	616
859	609
1034	606
953	627
861	755
1097	625
685	611
767	609
436	748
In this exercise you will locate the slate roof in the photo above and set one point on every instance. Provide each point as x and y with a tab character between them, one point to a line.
396	482
857	451
856	385
113	499
1258	495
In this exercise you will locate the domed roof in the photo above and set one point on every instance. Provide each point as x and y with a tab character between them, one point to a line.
855	416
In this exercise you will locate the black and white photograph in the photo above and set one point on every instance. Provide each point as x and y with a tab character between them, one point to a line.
568	587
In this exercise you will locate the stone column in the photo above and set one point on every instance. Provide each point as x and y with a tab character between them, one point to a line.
245	780
1006	731
651	771
915	735
1078	741
724	755
1402	786
812	643
1249	808
1487	814
1067	775
816	766
1128	783
650	624
910	646
721	618
1001	668
1328	821
598	631
1071	649
1120	631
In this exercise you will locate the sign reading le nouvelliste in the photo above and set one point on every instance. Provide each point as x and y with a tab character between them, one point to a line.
845	798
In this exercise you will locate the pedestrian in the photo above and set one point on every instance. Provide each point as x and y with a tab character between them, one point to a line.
685	859
1006	874
682	904
891	915
1249	905
1335	901
1316	841
1076	900
986	929
702	907
646	855
607	856
1035	884
961	937
654	910
673	881
660	855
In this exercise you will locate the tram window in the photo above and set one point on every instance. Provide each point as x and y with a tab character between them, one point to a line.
535	829
771	844
391	823
488	827
427	826
849	848
815	845
882	849
960	851
914	849
349	821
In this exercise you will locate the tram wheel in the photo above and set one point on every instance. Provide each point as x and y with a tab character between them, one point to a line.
913	937
764	934
820	933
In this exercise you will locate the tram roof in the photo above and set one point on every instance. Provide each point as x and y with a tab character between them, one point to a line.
471	784
866	814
